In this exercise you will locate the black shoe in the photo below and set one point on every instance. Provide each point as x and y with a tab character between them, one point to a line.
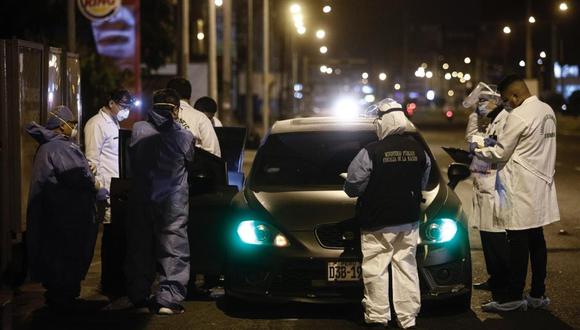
482	286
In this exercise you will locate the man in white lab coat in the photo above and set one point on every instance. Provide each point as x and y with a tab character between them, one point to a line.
193	120
526	192
102	152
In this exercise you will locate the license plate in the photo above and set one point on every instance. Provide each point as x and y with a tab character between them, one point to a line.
344	271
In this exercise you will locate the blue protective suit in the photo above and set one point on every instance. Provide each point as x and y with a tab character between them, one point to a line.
61	228
159	209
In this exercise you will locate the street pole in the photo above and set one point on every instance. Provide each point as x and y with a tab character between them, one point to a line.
226	108
212	53
250	69
71	26
529	51
183	23
266	67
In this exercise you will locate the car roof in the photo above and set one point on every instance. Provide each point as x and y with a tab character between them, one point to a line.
317	124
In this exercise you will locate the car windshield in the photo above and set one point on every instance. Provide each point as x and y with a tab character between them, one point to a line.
312	160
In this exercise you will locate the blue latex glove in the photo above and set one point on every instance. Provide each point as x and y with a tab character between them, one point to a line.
489	142
472	146
102	194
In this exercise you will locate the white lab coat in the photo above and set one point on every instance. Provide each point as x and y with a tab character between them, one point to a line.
102	146
200	126
484	177
216	122
102	151
526	155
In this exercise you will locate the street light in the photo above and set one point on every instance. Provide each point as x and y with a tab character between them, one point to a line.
365	75
507	30
320	34
450	92
563	6
448	76
429	74
445	66
200	36
323	50
382	76
532	19
323	68
397	86
467	60
543	54
295	9
522	63
326	9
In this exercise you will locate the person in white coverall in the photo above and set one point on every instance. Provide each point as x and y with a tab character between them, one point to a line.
526	191
493	237
102	152
388	176
193	120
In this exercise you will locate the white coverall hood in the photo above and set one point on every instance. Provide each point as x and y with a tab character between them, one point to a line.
392	119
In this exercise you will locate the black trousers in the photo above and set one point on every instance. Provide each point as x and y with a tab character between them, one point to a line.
496	254
524	244
113	251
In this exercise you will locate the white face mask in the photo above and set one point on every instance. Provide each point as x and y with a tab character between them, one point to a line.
483	108
123	114
74	132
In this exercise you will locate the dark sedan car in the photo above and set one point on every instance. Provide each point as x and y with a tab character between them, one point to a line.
293	233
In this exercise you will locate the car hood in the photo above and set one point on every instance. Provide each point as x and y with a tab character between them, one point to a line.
304	210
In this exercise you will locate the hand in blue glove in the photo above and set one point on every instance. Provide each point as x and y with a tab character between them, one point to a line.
472	146
102	194
490	142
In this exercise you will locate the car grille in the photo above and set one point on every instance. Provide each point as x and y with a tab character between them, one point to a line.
335	236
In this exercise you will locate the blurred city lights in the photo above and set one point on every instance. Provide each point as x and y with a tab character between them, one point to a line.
450	92
365	75
346	108
367	89
301	30
462	81
323	50
467	77
540	62
298	87
323	68
295	8
429	74
507	30
563	6
460	75
430	95
369	98
522	63
467	60
445	66
320	34
219	3
200	36
532	19
449	114
326	9
329	70
420	73
424	65
454	74
448	76
298	95
397	86
543	54
382	76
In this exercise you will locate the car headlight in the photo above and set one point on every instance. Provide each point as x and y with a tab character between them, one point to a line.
260	233
440	230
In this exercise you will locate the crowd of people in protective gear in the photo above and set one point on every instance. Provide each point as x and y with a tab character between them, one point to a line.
69	197
511	137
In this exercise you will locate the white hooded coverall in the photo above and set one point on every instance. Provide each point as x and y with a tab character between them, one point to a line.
395	245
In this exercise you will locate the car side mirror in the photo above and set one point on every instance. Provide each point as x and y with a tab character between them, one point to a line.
456	173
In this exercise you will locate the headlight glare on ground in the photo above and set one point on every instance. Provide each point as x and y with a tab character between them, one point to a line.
440	230
259	233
